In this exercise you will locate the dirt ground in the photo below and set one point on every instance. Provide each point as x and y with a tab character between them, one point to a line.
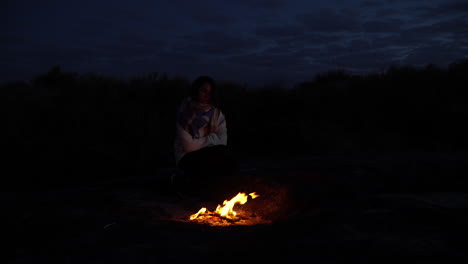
320	208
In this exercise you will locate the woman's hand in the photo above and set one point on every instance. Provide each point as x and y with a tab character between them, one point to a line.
213	130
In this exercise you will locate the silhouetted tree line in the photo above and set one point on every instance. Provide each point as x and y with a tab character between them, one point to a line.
68	124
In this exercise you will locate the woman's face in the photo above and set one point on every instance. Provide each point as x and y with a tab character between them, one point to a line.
204	93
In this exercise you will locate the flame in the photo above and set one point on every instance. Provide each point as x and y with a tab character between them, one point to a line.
254	195
201	211
226	210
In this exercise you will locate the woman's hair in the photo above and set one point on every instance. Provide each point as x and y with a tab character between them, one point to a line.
197	84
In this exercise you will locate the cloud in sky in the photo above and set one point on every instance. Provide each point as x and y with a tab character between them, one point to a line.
258	37
370	3
213	42
329	20
264	3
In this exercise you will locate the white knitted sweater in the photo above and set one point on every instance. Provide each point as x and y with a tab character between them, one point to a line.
185	143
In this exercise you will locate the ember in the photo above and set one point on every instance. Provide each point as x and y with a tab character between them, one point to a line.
225	215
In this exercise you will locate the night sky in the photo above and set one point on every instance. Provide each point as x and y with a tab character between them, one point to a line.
248	41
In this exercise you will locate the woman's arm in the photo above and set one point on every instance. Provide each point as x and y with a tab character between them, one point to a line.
190	144
219	137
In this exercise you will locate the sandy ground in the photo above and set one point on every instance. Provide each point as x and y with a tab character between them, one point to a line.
321	209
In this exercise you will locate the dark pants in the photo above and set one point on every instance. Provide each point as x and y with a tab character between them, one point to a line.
208	166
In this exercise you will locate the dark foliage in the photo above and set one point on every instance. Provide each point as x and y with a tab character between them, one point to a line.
62	123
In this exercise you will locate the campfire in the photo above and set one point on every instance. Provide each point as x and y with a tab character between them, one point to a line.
225	215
